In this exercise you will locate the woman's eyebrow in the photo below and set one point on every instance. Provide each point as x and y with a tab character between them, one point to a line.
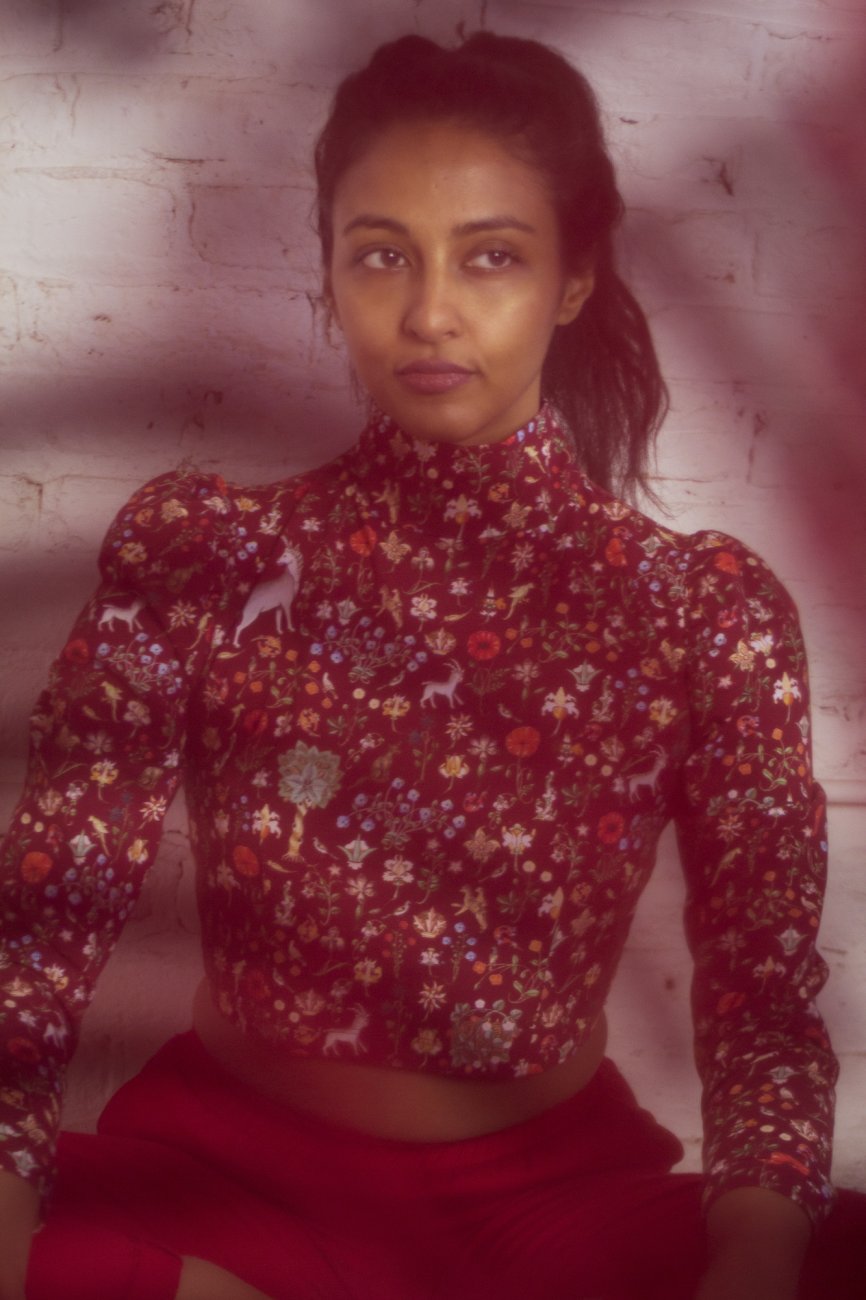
493	223
371	221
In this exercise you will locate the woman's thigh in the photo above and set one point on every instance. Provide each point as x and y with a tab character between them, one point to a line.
612	1237
125	1213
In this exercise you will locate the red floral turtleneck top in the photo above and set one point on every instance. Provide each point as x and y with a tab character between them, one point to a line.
433	706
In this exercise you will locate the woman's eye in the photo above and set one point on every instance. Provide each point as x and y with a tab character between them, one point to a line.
493	259
383	259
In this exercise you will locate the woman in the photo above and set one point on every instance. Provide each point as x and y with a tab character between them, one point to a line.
435	703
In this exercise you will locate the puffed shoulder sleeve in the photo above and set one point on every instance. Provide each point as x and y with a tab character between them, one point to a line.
107	742
752	834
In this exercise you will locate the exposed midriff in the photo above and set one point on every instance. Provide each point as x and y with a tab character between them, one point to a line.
402	1105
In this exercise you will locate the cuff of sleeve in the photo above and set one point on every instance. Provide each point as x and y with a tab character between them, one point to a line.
777	1174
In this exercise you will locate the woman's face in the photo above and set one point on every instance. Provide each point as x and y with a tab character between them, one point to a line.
447	282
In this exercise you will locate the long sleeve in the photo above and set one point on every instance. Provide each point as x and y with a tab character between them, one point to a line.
753	843
106	756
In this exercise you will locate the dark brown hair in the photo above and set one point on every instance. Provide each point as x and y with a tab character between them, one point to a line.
601	371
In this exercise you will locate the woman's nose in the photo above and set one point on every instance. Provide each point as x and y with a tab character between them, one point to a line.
432	310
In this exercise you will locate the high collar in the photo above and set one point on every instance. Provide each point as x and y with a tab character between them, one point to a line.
483	490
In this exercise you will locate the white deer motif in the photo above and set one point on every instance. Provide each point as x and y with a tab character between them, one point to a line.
274	593
448	689
649	779
121	614
352	1035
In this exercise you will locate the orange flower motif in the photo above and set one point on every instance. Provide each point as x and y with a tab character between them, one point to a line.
246	862
729	1002
76	652
35	866
309	719
728	563
363	541
522	742
782	1158
611	828
104	773
614	552
484	644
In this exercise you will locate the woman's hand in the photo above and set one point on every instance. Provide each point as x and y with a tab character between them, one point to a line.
757	1240
19	1215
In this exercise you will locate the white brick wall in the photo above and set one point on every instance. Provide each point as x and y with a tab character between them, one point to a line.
157	303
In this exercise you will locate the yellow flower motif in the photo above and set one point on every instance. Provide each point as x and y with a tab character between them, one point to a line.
432	995
517	838
133	553
309	1003
183	614
516	515
480	847
367	971
462	508
103	773
395	706
560	704
427	1043
137	851
393	548
172	509
663	712
429	924
786	690
441	642
743	657
454	765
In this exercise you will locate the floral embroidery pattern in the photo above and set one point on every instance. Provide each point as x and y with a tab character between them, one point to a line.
435	706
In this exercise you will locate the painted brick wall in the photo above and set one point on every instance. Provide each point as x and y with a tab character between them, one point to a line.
158	281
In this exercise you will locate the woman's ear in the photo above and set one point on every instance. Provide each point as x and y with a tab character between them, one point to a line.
575	293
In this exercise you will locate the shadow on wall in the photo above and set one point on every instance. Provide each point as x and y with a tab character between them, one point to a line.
222	352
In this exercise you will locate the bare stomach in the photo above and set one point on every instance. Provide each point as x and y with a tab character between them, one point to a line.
399	1104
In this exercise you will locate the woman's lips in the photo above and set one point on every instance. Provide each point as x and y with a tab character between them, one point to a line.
433	376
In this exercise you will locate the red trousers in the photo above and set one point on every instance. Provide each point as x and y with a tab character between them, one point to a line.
578	1202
